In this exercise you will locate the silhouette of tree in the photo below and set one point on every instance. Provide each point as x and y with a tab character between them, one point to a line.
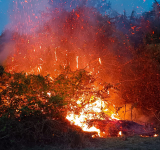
133	16
1	70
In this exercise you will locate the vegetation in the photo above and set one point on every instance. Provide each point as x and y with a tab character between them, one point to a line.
140	76
33	108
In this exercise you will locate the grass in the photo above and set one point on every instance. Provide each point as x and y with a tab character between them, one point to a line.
114	143
131	143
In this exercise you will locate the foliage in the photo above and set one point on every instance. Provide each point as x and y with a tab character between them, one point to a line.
24	95
30	102
38	130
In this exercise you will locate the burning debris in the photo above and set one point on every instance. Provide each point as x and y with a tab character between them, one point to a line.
103	126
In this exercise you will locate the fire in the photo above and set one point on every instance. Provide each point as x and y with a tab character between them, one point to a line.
120	133
79	120
52	39
96	109
155	135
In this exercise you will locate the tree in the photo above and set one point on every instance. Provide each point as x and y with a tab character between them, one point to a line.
133	17
141	82
1	70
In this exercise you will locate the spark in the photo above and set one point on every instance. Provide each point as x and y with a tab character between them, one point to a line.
108	92
100	61
55	55
39	69
77	61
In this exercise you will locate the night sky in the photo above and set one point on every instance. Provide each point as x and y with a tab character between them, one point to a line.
119	5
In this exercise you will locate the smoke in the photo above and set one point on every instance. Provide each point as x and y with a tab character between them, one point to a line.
6	46
26	16
128	112
53	33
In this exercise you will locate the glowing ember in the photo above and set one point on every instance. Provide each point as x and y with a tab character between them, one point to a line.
49	94
155	135
120	133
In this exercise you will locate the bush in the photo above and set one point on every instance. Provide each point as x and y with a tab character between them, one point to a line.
33	110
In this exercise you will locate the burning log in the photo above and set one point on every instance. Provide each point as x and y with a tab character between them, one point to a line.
130	128
121	128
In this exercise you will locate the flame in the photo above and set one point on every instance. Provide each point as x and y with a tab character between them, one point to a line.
120	133
155	135
93	110
79	120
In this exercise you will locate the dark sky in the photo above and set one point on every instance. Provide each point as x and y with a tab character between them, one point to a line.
119	5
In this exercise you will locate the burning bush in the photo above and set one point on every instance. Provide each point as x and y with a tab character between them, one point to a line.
33	108
23	94
28	105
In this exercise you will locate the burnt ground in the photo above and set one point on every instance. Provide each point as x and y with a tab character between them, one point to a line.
131	143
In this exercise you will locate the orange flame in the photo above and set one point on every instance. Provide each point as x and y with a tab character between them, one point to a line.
91	111
155	135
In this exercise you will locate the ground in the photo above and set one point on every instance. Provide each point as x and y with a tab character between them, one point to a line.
131	143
